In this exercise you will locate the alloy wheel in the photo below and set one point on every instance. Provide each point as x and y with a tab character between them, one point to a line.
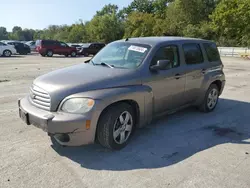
123	128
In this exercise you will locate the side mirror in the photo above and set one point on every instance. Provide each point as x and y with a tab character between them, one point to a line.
161	65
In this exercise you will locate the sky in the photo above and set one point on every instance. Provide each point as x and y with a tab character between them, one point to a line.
38	14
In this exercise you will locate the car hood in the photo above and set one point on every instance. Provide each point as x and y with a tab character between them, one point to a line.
84	77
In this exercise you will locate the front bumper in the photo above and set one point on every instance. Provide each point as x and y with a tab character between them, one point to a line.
222	86
74	126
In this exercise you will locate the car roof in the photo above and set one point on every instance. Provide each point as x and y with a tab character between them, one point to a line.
157	40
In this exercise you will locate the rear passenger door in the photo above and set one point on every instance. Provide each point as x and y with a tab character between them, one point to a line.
195	70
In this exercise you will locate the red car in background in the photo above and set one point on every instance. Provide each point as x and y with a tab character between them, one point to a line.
51	47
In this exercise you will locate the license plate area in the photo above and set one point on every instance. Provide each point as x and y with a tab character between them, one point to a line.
24	116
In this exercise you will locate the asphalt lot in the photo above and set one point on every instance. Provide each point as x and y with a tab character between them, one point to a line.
186	149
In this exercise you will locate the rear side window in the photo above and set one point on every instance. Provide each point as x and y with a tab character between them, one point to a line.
49	42
193	53
212	52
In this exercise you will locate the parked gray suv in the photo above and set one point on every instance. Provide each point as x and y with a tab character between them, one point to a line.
125	86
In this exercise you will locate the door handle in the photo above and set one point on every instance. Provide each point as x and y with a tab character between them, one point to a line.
177	76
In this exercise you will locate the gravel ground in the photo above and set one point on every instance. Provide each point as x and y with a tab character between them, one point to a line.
187	149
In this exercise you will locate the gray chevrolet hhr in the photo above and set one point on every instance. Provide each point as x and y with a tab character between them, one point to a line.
125	86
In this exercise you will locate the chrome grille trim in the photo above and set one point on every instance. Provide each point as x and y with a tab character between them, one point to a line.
40	98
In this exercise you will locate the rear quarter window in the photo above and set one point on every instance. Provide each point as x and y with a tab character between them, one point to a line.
212	52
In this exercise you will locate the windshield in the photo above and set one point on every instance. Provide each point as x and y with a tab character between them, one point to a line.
122	55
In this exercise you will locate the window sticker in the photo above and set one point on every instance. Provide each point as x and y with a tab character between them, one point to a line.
137	49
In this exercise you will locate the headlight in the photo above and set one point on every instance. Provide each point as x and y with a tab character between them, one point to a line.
78	105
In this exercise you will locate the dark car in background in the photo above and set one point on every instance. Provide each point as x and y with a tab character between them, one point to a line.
51	47
77	46
91	48
20	47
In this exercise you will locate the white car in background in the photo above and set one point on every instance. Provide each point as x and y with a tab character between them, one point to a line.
32	45
7	50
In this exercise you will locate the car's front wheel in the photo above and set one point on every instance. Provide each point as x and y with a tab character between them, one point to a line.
211	99
7	53
115	126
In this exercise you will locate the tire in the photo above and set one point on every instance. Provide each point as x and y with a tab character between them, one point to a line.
73	54
7	53
110	131
49	53
43	55
66	55
86	54
211	99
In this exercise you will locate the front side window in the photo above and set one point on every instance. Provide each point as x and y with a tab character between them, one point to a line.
122	55
193	54
63	44
212	52
167	53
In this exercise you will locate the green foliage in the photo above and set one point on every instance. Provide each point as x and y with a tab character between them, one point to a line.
225	21
139	24
108	9
231	21
105	28
3	33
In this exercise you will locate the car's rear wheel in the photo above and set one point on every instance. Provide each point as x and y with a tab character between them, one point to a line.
211	99
115	126
73	54
7	53
50	53
86	54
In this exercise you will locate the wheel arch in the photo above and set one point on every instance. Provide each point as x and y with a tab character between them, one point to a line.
130	102
218	83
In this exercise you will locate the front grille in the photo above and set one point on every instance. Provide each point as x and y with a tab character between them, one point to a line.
39	97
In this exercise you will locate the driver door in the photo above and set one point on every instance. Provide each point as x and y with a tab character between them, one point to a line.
168	85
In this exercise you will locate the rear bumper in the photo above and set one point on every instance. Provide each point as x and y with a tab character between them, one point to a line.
59	124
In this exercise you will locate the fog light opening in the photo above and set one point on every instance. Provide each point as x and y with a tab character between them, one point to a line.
62	137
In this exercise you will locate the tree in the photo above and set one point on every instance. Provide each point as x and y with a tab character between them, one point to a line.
231	20
3	33
139	24
145	6
77	33
108	9
160	7
105	28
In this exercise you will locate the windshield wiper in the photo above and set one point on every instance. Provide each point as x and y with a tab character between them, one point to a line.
106	64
